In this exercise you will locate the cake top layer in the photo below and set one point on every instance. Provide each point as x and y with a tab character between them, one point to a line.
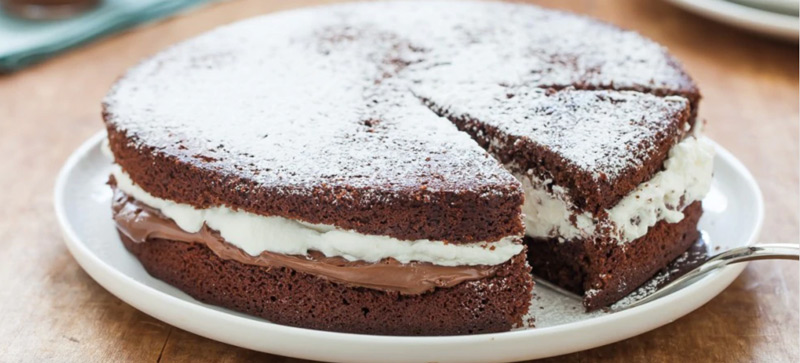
292	106
322	100
600	133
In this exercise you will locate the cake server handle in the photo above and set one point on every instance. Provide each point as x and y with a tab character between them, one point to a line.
767	251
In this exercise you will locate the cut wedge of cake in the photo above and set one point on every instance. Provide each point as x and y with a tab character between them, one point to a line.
613	179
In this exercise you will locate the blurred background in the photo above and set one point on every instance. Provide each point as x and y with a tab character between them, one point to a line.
59	57
34	30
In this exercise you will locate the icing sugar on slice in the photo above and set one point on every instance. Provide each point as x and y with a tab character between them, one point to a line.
596	131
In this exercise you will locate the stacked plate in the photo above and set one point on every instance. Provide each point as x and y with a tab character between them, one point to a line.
775	18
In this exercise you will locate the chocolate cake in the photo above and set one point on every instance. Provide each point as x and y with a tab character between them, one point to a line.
374	167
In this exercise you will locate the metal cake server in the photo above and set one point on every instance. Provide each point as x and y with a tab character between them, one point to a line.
766	251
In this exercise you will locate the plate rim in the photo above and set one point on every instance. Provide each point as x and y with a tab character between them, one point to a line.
702	291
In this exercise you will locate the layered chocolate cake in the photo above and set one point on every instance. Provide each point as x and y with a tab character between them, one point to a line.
374	167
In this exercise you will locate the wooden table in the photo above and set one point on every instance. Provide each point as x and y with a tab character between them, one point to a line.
51	310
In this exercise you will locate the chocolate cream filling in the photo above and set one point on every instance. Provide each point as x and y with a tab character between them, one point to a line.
141	223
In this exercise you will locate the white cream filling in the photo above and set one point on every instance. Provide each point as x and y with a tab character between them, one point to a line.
255	234
687	174
548	214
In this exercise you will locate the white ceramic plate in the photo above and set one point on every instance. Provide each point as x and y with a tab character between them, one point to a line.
790	7
766	22
734	211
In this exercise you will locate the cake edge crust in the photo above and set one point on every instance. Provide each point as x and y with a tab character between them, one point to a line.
461	216
287	297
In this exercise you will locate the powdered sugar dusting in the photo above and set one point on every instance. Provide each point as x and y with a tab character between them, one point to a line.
298	107
598	132
327	95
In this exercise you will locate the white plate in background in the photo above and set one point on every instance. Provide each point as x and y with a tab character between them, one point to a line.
789	7
774	24
733	215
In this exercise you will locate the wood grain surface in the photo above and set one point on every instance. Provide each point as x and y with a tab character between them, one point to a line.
50	310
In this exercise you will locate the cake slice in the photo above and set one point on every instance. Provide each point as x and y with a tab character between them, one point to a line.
613	179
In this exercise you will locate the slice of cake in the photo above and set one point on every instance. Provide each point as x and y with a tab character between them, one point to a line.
368	167
613	179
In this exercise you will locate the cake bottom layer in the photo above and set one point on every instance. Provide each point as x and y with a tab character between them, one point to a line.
605	271
284	296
